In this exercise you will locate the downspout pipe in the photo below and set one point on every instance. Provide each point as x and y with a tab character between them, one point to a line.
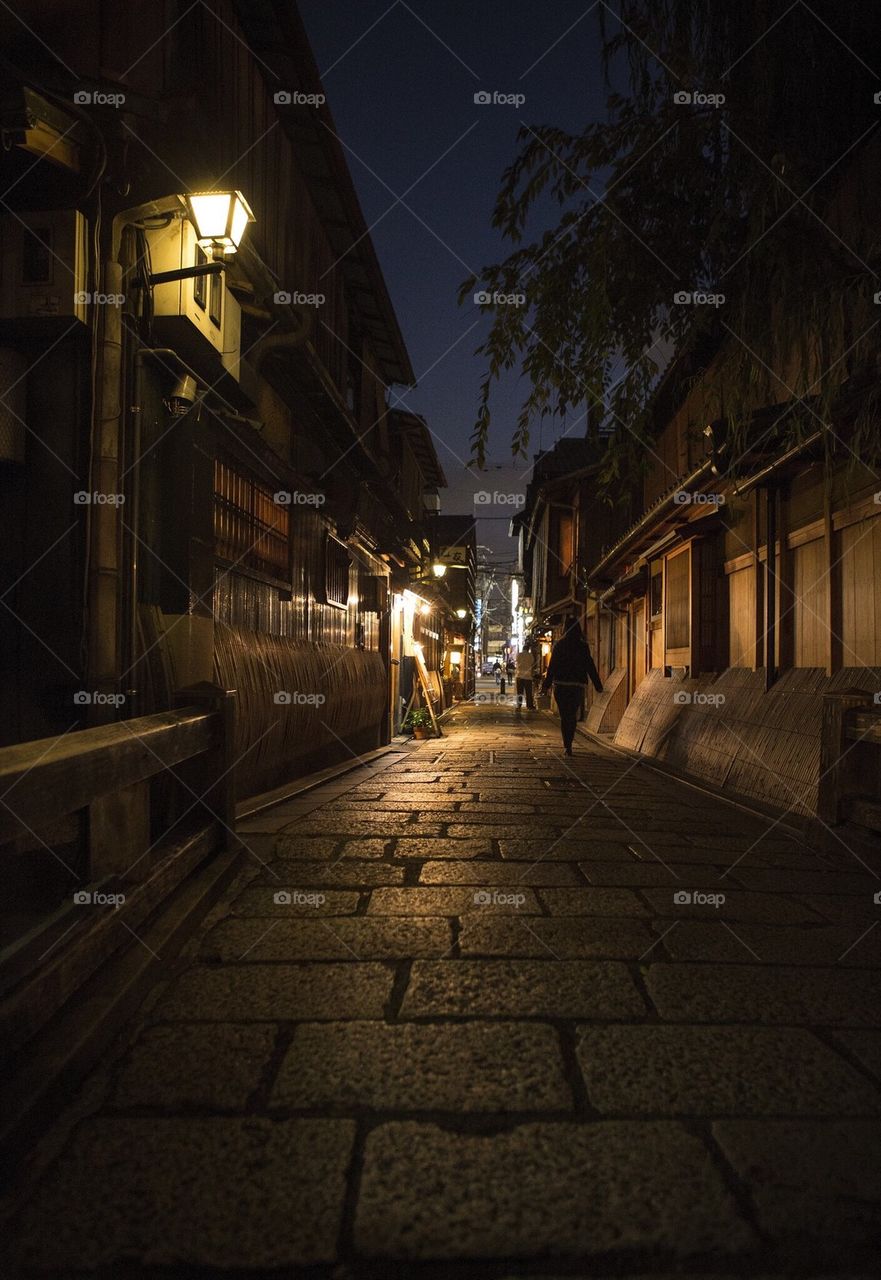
104	537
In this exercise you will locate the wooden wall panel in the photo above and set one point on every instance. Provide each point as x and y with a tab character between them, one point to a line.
860	576
811	587
742	617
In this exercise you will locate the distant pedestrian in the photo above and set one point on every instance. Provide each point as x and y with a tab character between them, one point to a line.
570	668
525	677
497	670
510	669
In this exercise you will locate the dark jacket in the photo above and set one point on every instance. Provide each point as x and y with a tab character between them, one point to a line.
571	663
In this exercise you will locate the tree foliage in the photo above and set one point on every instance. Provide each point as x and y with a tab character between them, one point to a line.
769	198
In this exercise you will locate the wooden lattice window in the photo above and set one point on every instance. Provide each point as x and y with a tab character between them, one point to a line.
336	572
251	528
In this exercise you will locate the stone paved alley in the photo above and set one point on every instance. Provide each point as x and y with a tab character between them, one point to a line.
482	1037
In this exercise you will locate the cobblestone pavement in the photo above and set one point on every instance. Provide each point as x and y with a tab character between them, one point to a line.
457	1018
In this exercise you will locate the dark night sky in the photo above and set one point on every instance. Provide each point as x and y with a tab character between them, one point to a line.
402	96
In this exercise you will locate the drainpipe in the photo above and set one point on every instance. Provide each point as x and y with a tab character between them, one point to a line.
103	539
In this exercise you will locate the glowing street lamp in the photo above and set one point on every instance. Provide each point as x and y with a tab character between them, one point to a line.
220	219
461	613
438	569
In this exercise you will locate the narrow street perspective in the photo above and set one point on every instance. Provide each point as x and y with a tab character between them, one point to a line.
493	1003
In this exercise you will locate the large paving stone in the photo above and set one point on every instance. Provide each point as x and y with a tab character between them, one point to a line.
810	1180
517	988
568	938
339	938
865	1045
216	1066
443	847
453	900
275	993
748	993
305	900
503	831
662	1070
849	910
551	1189
833	880
216	1193
458	1067
739	904
350	874
634	874
348	825
766	944
311	847
548	848
592	902
501	873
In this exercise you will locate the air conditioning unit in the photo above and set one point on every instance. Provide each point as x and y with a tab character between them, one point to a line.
43	265
199	317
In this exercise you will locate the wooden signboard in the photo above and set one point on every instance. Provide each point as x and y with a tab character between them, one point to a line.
423	684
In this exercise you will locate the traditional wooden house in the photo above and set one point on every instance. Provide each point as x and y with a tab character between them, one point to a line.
201	475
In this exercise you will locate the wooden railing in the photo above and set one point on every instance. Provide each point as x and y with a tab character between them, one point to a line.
850	760
156	797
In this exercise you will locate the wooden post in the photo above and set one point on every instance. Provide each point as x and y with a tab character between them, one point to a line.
770	584
758	587
214	780
786	626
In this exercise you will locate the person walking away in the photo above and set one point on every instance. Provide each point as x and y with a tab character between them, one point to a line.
570	668
497	670
525	677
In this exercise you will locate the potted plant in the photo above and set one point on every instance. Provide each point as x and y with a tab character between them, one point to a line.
418	722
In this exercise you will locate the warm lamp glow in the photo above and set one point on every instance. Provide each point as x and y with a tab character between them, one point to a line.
461	613
438	569
424	609
220	219
455	658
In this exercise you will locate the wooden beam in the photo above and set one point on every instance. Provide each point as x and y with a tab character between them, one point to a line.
55	776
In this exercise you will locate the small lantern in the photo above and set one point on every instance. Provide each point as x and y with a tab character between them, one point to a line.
220	219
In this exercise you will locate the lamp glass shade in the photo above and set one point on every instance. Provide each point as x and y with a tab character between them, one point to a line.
220	218
438	570
461	613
